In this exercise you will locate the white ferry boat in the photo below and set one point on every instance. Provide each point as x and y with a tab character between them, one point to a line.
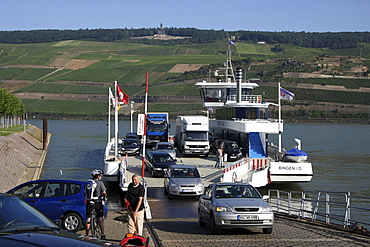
244	118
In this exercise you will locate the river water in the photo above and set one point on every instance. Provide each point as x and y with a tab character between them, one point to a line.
340	154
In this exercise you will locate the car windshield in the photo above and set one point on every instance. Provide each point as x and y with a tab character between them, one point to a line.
236	191
162	159
185	173
16	214
130	142
164	146
231	145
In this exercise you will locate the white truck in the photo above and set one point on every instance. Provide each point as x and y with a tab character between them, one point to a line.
191	136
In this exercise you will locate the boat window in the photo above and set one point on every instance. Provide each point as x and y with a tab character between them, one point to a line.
213	94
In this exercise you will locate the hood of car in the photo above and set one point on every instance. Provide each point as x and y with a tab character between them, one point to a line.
50	238
186	181
241	202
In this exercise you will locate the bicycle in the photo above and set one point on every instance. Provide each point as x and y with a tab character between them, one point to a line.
94	226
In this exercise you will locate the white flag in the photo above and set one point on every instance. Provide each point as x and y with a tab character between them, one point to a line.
112	99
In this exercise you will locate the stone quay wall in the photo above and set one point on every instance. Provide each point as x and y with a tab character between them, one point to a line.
21	157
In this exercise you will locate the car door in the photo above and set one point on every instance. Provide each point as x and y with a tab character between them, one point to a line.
54	202
205	202
30	192
167	177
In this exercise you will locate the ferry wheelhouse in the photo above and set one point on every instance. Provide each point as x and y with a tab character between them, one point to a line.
243	117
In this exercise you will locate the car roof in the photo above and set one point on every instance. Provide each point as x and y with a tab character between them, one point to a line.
164	143
158	153
56	180
183	166
236	184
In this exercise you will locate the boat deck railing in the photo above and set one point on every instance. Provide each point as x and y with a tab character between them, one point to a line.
253	99
331	207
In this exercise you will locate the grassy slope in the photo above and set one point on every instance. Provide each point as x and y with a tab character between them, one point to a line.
127	63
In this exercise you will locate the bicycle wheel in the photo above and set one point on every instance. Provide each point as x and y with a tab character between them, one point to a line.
95	229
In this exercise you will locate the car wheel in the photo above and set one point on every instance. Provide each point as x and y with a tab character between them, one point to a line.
72	222
200	220
214	228
267	230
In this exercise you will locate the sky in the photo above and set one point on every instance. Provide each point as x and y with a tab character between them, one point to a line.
228	15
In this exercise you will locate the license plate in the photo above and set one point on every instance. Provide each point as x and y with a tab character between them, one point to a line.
247	217
185	190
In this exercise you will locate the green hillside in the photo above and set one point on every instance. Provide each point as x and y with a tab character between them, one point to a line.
80	67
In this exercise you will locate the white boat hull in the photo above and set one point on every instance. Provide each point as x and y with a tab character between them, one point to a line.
290	172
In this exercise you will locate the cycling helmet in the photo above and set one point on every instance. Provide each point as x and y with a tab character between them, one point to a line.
96	172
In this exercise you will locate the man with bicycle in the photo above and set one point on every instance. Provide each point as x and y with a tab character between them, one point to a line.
100	193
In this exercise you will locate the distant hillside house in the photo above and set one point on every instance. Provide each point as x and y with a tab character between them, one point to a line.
261	42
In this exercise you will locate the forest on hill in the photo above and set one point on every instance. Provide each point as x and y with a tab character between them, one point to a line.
333	40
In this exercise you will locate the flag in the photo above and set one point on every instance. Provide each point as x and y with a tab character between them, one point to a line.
285	94
112	99
123	97
232	43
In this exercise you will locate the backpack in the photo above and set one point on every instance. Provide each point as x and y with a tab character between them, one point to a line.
90	192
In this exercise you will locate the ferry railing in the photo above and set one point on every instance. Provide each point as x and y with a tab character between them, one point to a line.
331	207
246	98
148	214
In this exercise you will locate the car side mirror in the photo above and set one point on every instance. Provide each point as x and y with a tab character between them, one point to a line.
206	197
265	197
202	176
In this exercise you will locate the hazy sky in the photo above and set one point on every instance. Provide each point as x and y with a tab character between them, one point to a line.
230	15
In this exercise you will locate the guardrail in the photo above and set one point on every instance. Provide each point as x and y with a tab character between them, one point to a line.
331	207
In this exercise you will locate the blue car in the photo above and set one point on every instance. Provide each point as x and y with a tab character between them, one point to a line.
23	225
62	201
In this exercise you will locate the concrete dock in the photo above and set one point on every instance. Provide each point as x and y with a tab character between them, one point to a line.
174	231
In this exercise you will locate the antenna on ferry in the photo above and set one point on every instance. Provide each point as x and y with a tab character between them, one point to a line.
229	66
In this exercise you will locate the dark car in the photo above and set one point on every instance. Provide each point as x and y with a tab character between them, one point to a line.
231	151
157	162
130	147
23	225
62	201
216	143
132	135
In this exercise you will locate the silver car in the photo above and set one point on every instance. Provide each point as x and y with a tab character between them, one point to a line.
234	205
183	180
167	147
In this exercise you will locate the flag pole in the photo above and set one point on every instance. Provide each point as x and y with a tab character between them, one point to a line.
109	104
115	121
279	126
144	136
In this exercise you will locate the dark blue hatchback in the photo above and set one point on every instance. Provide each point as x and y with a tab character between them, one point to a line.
62	201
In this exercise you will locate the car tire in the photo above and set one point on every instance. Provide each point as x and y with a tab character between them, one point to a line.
267	230
200	220
72	222
215	230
